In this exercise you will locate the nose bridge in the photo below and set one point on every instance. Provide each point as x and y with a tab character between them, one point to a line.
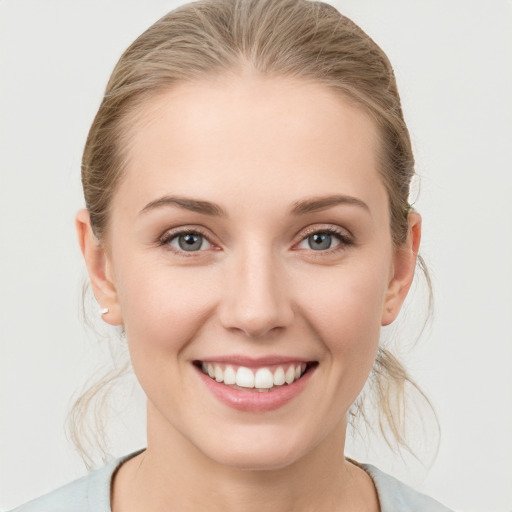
256	299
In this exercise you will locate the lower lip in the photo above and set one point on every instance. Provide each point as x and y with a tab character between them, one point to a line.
255	401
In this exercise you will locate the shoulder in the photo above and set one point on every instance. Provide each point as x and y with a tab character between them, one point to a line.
395	496
90	493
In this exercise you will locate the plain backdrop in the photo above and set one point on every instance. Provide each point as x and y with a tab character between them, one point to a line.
453	61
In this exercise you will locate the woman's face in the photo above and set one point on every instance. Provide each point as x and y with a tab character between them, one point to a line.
248	237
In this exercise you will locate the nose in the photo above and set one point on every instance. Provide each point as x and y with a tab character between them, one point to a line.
256	299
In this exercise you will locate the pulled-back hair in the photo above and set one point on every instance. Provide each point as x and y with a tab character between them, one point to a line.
296	39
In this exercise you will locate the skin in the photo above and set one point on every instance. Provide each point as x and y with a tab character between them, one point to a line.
254	146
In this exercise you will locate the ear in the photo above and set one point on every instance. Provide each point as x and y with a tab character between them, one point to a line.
99	268
404	265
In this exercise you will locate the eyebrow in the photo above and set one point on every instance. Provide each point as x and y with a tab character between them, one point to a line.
301	207
317	204
194	205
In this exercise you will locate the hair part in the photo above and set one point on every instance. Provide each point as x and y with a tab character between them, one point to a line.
298	39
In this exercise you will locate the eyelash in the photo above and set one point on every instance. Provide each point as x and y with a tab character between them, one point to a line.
171	235
344	239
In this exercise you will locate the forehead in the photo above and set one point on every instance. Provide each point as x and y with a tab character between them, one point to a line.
254	137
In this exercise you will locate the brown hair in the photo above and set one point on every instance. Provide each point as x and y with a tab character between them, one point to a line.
278	38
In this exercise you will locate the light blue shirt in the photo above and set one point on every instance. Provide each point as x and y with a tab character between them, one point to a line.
91	493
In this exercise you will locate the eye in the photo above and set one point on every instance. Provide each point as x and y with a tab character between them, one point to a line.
324	239
188	241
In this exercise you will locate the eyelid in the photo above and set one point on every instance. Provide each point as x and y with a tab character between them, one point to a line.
170	234
345	237
325	228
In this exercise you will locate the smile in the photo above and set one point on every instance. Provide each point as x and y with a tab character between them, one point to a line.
252	385
263	379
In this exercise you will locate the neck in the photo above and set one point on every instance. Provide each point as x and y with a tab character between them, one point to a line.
172	474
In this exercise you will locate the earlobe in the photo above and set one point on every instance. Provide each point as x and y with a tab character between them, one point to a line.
403	270
99	270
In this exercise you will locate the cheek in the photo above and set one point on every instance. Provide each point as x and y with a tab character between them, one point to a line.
345	310
163	307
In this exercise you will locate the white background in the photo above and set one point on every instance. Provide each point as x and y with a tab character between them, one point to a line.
453	61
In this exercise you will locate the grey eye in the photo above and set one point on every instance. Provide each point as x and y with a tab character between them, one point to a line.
190	242
320	241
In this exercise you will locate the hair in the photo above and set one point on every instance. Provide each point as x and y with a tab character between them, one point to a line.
298	39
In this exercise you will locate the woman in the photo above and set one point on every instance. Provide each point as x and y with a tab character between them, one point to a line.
248	226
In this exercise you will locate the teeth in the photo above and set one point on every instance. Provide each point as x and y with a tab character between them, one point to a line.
279	379
229	375
262	379
244	377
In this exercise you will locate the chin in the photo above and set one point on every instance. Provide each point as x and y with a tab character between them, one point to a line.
256	460
262	452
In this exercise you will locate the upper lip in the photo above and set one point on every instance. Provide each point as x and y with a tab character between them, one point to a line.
254	362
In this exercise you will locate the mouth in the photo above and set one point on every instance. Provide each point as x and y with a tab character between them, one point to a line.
262	379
